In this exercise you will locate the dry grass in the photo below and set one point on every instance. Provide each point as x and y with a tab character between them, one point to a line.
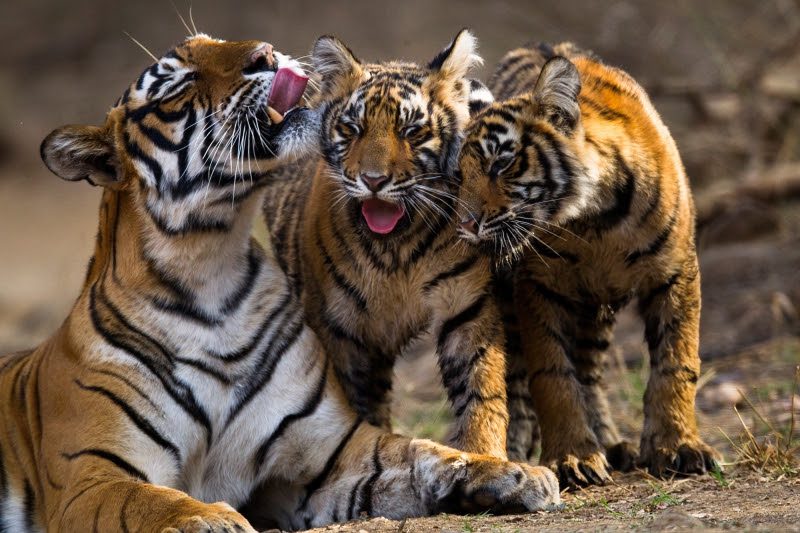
775	452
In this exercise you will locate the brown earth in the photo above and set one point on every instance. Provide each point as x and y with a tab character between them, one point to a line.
724	74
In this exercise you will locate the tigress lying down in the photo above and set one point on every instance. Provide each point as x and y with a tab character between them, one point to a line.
575	180
185	372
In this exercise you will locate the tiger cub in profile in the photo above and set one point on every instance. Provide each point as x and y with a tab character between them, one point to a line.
573	178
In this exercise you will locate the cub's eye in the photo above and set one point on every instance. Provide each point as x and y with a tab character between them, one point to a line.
350	127
410	131
501	164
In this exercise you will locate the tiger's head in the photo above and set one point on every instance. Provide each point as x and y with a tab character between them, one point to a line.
195	134
523	167
391	132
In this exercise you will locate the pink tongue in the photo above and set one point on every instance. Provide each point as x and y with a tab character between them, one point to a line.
287	88
381	217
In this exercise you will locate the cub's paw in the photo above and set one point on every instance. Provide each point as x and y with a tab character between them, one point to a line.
504	488
622	456
217	518
688	457
574	472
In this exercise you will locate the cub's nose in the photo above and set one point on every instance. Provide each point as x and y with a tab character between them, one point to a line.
374	182
261	59
469	224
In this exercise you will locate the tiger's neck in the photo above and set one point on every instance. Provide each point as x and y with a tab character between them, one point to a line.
205	268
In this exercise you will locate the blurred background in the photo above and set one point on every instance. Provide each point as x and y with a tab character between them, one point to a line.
725	74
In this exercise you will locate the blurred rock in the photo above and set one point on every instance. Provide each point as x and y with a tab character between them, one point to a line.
722	395
782	79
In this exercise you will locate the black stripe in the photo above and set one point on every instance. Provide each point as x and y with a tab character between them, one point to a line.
29	507
377	470
477	397
338	331
96	521
587	344
317	482
467	315
186	307
352	500
657	244
456	270
623	199
286	334
552	296
140	421
129	383
648	299
123	511
241	353
78	494
604	111
554	372
113	458
308	409
205	368
345	285
184	396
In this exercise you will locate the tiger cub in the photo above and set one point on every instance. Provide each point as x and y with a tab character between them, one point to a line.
370	243
575	181
185	373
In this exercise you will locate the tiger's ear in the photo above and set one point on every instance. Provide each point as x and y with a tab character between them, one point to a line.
480	97
556	94
336	64
458	57
77	153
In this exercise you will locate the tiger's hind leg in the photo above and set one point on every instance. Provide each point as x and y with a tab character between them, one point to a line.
670	442
569	446
591	341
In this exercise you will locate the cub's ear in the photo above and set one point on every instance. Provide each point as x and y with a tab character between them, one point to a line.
556	94
336	64
480	97
459	57
77	153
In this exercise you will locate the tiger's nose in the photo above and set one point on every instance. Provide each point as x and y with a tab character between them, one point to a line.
261	59
374	182
469	224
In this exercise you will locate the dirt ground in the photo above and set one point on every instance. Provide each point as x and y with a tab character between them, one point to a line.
725	74
635	502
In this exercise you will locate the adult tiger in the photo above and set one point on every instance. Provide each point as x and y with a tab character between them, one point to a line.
574	178
370	242
185	372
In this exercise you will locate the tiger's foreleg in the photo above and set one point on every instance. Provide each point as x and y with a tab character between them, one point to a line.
381	474
471	352
569	445
104	500
671	311
523	437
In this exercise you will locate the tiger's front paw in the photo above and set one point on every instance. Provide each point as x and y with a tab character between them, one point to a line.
216	518
589	469
690	456
503	487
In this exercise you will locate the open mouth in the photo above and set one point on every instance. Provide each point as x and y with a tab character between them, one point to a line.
381	216
287	88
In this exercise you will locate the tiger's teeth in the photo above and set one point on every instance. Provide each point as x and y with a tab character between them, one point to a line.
274	116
